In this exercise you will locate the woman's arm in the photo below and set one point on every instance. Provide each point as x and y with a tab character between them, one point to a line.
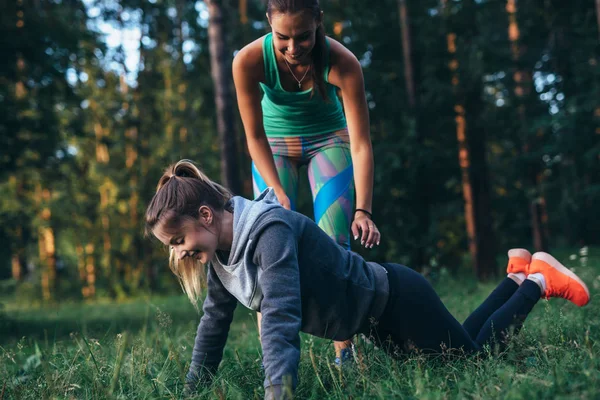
346	73
212	333
248	71
281	306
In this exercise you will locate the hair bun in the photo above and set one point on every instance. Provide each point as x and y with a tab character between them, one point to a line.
185	169
182	173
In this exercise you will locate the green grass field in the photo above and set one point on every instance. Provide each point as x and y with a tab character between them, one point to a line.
141	350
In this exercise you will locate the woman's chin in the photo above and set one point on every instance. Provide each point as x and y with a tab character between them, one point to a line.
295	60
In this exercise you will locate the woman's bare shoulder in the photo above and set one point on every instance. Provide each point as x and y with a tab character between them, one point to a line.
343	63
339	54
251	55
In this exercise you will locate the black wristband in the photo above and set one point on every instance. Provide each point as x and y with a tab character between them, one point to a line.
365	211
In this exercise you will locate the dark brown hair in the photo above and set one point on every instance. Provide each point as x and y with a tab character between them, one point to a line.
319	52
180	192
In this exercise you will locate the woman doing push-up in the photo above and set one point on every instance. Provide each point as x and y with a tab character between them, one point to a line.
282	264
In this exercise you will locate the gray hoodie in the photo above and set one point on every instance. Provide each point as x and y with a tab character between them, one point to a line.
283	265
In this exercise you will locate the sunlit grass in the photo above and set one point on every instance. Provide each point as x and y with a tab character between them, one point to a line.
142	350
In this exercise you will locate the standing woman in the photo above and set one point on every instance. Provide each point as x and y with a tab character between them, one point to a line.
286	84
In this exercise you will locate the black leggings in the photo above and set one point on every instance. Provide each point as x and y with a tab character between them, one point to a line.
416	317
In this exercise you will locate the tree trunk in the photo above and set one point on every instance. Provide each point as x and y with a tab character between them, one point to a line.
80	263
48	260
598	16
472	160
22	235
89	290
220	65
102	156
421	189
407	53
18	259
105	194
522	90
17	264
182	107
485	264
47	248
243	6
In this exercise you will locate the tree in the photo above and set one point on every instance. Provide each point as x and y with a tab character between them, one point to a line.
598	16
470	133
421	191
523	87
220	64
36	117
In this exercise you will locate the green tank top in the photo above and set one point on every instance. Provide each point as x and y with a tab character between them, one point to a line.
297	113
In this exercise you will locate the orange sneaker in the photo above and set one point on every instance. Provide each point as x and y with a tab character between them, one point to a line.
560	281
518	261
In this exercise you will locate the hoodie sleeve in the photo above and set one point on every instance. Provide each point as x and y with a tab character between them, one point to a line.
213	329
281	308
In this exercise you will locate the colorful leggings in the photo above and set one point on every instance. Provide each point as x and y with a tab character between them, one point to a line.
330	173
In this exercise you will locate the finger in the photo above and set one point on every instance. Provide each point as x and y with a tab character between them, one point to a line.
365	232
371	237
354	230
377	239
376	235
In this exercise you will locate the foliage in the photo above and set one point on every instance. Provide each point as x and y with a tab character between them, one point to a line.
86	132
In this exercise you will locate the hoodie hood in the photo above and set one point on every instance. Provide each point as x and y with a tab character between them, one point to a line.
245	214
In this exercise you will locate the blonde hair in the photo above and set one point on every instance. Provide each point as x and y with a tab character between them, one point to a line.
181	191
191	275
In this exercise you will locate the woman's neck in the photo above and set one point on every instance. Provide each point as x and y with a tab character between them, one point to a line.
226	231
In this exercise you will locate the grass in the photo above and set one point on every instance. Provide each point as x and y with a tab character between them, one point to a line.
141	350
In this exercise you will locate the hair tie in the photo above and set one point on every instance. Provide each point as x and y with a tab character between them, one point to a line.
364	211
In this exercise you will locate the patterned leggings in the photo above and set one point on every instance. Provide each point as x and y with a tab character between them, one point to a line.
330	174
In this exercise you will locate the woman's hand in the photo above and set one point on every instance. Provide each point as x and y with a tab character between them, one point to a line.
283	199
369	233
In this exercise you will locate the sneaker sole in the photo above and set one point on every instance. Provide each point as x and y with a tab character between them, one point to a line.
554	263
519	253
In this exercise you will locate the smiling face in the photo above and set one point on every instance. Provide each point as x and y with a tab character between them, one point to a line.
294	35
190	237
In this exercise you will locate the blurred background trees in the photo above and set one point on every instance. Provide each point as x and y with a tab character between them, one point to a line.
485	121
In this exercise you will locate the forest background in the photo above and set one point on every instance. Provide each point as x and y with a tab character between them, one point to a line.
485	124
484	115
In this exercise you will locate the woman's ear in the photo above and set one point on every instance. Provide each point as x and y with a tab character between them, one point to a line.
268	19
205	215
